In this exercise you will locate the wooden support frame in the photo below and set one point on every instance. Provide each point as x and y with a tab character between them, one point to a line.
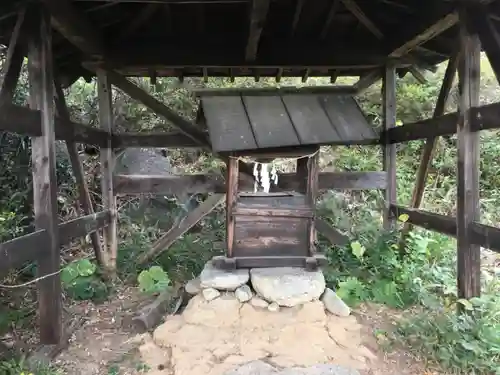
44	174
77	167
15	252
389	151
104	94
214	183
430	144
468	257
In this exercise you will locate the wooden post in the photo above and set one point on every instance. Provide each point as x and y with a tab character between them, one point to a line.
311	196
389	150
469	261
231	196
76	165
107	165
44	174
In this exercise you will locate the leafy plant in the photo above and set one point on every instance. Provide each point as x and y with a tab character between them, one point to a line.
153	280
80	281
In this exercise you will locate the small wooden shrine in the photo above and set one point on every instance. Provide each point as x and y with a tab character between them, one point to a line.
276	228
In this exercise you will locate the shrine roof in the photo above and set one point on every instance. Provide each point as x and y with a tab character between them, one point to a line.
251	122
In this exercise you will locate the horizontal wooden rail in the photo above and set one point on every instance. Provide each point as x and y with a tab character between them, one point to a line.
273	212
167	140
215	183
428	220
483	118
22	120
485	236
32	246
481	234
15	252
82	226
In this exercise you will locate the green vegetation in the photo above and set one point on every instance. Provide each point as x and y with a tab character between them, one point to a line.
421	283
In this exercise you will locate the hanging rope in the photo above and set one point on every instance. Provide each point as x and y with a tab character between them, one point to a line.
263	176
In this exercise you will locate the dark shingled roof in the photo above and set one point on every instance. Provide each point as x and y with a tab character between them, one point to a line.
244	123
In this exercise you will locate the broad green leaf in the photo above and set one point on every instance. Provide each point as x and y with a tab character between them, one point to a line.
403	218
68	274
157	273
85	267
357	249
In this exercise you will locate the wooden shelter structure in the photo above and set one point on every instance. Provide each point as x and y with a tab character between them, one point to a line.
112	39
271	229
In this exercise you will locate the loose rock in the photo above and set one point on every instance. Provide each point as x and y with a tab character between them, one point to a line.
288	286
243	293
273	307
210	294
212	277
258	302
193	287
334	303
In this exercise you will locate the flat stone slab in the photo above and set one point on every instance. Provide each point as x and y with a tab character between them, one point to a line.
263	368
212	277
287	286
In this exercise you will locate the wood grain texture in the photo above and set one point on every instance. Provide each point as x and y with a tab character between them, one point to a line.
228	124
44	174
29	247
468	257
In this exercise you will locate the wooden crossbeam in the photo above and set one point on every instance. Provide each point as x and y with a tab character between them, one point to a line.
22	120
428	220
168	140
82	226
429	33
329	18
13	62
430	143
165	241
140	19
296	16
490	39
15	252
367	80
362	18
214	183
44	173
468	256
258	16
77	167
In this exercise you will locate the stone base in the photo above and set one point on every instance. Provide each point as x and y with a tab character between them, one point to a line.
226	337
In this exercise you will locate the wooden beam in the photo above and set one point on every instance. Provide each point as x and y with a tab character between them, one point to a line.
135	92
430	144
13	62
429	33
488	34
389	151
367	80
428	220
258	17
362	18
329	18
286	90
22	120
140	19
15	252
167	140
417	74
331	234
77	167
75	27
214	183
107	165
469	261
82	226
485	236
296	16
165	241
44	174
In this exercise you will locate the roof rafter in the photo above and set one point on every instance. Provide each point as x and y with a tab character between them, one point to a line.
363	18
258	17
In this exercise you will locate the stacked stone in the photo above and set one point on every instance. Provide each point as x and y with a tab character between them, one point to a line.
271	288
